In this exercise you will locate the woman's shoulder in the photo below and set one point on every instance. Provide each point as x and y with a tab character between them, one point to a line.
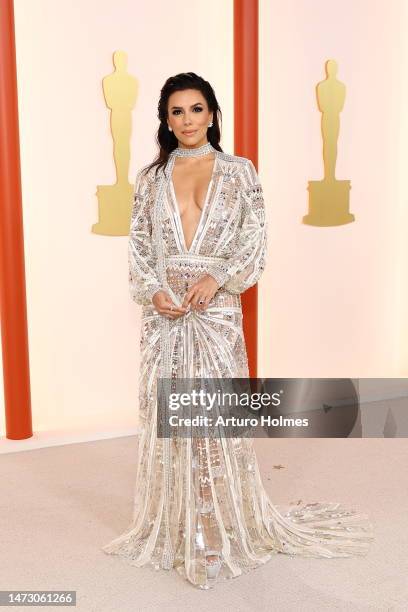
145	170
243	167
148	173
235	159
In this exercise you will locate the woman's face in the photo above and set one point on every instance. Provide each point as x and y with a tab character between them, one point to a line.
188	116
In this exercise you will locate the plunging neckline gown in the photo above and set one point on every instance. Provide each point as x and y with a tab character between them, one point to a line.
189	498
178	215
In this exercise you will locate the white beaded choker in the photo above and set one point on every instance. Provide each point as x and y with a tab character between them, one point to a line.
203	150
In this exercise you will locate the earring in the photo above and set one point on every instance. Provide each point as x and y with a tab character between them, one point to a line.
170	129
210	124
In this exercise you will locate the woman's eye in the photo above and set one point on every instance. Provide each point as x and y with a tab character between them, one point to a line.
196	108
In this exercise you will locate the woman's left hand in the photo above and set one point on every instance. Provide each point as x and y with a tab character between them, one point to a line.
204	289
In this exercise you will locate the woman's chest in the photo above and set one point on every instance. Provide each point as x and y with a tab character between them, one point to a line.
216	226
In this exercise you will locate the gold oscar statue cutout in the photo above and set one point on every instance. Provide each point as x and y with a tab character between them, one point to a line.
329	199
115	201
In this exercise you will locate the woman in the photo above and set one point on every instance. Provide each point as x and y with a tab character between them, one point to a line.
197	241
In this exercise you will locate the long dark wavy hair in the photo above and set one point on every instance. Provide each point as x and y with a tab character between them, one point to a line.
166	140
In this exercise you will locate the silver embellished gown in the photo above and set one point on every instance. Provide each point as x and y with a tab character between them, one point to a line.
195	495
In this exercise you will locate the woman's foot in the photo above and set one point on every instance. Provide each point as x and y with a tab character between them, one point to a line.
212	563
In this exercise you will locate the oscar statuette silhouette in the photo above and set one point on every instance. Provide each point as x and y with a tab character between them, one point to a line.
115	201
329	199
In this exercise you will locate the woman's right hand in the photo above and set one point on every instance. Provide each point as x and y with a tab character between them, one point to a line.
165	305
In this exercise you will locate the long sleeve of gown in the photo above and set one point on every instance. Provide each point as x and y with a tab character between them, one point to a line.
143	279
243	269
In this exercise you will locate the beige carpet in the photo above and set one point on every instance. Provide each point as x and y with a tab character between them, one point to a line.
59	505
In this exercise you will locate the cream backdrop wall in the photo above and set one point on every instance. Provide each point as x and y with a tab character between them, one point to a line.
334	300
83	327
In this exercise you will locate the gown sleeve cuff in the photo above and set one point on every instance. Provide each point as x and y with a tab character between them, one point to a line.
150	292
221	276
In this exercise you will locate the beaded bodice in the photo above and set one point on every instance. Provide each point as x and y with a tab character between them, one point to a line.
229	242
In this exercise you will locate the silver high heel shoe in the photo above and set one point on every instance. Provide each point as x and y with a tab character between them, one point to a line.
212	567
